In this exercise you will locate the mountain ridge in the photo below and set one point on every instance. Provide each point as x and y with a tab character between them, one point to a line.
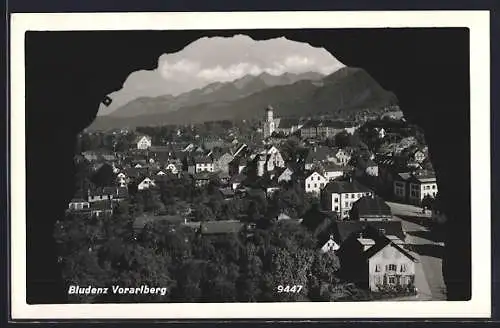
347	90
216	91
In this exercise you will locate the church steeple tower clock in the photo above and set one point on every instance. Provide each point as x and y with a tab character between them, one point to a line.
269	122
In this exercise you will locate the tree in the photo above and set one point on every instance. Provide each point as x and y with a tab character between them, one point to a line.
203	213
342	139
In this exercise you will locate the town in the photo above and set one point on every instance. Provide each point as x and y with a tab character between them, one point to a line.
229	211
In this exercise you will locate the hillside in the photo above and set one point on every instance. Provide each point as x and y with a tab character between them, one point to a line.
214	92
346	90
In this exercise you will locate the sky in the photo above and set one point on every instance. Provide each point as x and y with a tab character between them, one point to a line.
221	59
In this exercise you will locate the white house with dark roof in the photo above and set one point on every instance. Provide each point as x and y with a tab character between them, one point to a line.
143	142
342	156
314	183
332	171
339	196
413	187
172	168
146	183
197	164
422	183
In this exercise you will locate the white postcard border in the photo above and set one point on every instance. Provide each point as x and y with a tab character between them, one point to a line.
476	21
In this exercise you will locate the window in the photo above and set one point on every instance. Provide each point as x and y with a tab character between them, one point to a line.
315	185
308	186
336	208
403	268
377	268
322	185
391	267
336	200
433	186
352	196
346	204
392	280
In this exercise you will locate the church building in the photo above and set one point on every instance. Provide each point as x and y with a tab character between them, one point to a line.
286	126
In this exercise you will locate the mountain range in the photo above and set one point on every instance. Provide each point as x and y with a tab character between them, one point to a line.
347	89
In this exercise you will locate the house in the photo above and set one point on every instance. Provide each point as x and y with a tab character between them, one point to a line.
143	142
98	194
172	168
317	155
376	263
422	183
197	164
214	228
285	175
237	165
274	158
333	171
121	194
344	230
314	183
221	163
77	204
339	196
414	186
161	173
417	155
101	208
370	208
287	126
321	129
202	179
145	183
329	245
366	168
342	156
400	184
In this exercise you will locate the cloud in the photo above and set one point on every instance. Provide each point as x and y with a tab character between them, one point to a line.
209	60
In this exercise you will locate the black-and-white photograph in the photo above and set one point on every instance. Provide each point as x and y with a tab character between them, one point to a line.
271	164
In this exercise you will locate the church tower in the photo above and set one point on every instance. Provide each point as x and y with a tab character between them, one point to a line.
269	122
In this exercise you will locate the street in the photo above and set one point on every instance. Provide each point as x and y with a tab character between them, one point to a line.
425	245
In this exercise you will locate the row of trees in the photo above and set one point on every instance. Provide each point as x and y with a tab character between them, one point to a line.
227	268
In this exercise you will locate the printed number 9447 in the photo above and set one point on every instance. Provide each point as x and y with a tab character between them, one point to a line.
289	289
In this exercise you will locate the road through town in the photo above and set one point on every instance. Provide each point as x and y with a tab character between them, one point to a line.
426	247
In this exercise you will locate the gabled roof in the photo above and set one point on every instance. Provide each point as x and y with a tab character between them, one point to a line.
372	206
382	243
318	153
139	137
201	159
346	229
423	176
340	187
